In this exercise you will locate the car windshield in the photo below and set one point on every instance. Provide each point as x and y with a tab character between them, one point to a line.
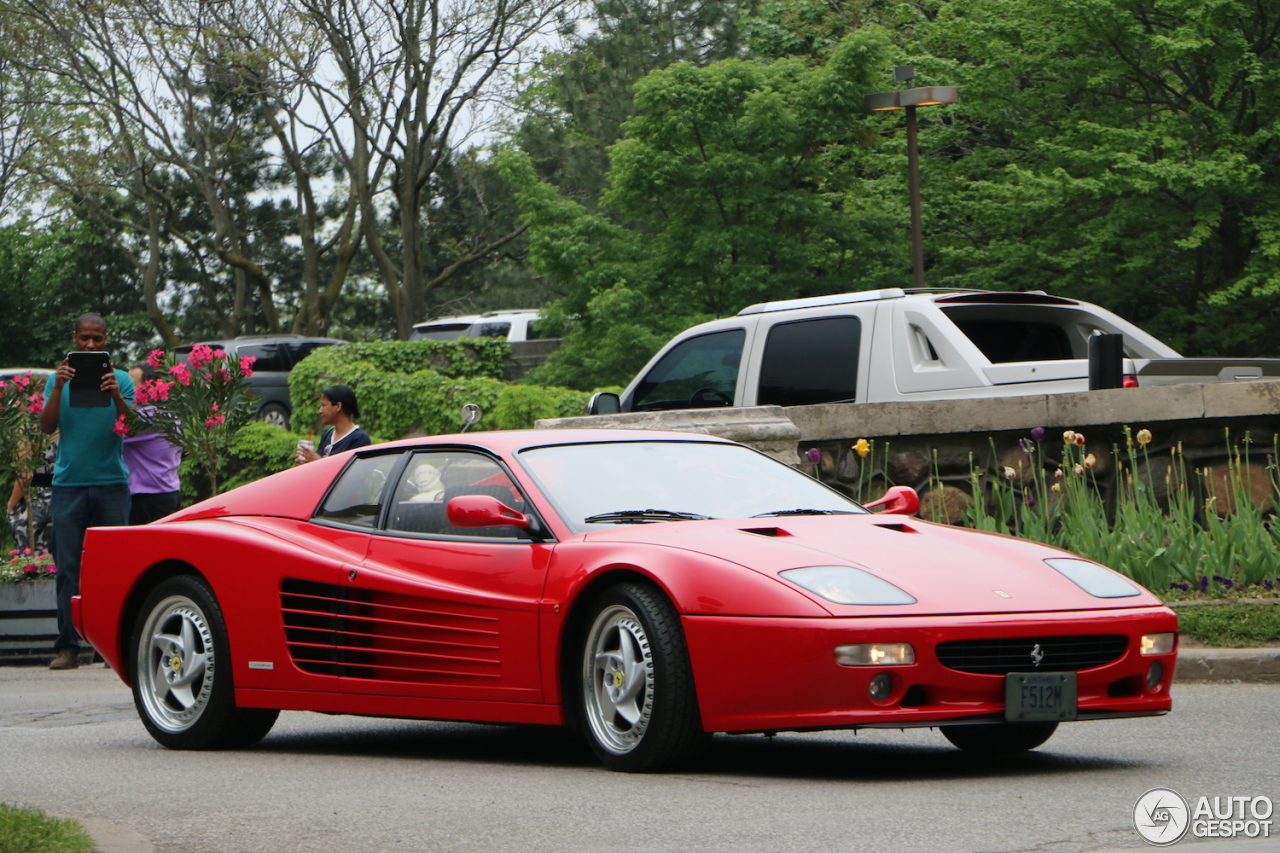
657	481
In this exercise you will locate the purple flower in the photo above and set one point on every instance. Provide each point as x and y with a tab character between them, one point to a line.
1037	434
1030	502
1026	444
814	455
1267	583
1224	581
1182	586
1204	584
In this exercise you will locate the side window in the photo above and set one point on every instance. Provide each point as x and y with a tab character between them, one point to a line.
810	361
356	498
490	330
269	356
300	350
434	478
696	374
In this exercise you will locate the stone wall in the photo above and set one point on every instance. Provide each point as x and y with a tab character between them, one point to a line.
937	446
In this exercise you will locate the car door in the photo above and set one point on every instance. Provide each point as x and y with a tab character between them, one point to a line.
311	582
447	612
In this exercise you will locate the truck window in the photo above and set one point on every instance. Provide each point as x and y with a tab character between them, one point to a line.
810	361
699	373
1005	341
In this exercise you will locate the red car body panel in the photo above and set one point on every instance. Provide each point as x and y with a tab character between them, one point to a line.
475	629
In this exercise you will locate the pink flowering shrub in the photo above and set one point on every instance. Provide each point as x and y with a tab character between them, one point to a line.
22	443
25	566
199	405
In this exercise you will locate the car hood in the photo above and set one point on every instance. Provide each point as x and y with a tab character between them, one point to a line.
948	570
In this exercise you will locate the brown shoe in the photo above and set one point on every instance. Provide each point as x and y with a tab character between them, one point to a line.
65	659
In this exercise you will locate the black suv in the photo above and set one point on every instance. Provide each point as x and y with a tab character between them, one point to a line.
276	355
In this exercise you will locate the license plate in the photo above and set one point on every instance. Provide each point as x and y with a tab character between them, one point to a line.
1032	696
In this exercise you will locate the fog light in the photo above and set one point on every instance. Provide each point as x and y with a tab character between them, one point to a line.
876	654
881	687
1156	644
1154	675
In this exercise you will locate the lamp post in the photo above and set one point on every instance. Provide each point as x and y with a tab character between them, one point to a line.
909	99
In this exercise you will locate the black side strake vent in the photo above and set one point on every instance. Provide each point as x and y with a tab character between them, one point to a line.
900	528
373	634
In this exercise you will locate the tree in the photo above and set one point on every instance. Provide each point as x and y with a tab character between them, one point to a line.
734	185
580	96
414	79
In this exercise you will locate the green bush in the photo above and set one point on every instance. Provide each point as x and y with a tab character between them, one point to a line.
419	387
257	450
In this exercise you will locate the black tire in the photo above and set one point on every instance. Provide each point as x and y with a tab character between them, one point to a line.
636	702
274	414
181	672
1000	738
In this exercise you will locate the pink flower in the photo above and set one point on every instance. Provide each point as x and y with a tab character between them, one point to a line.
3	384
214	407
214	421
246	365
35	404
22	380
181	373
142	394
200	356
160	390
120	427
225	374
156	358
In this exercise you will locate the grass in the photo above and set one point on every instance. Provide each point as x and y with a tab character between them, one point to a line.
33	831
1230	624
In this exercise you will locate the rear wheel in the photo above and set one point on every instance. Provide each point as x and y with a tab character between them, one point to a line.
638	705
1000	738
182	683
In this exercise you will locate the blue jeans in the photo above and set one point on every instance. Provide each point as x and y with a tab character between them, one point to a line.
75	510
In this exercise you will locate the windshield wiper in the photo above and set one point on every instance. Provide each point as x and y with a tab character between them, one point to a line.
643	516
804	512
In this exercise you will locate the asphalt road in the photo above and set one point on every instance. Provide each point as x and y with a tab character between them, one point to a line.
71	744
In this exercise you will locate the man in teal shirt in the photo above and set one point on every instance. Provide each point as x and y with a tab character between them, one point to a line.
90	480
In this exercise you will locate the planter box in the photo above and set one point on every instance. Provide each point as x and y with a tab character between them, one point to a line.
28	616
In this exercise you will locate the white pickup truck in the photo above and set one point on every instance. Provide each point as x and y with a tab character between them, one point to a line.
905	345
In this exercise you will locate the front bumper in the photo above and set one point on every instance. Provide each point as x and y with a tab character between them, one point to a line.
774	674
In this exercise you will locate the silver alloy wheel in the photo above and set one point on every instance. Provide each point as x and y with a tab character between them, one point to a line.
175	666
618	679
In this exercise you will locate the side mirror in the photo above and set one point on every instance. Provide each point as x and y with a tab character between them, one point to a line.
604	403
470	416
484	511
898	500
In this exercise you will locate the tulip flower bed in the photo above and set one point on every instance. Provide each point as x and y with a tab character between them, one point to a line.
1184	532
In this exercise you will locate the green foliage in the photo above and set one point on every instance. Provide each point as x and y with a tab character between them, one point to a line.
52	273
419	387
33	831
1231	625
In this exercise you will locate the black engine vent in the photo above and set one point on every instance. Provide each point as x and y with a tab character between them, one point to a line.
1020	654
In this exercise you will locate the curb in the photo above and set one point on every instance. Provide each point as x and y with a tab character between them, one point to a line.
1256	666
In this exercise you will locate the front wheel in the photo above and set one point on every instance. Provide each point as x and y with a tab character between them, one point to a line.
274	414
638	705
182	684
1000	738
